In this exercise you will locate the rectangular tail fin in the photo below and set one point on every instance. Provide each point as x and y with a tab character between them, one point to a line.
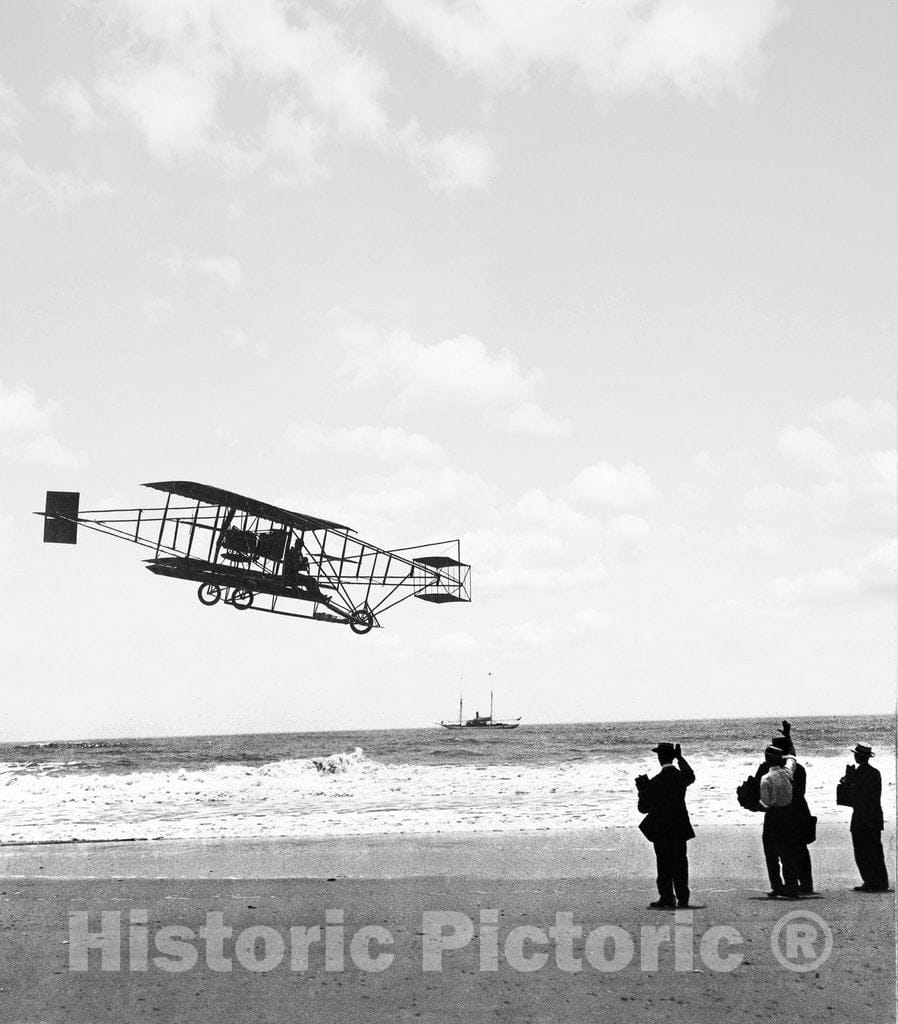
443	579
61	517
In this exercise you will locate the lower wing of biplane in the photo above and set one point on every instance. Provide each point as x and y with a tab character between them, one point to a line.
248	554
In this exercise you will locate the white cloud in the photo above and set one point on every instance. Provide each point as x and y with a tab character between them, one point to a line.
12	113
24	425
172	107
842	486
876	570
225	269
613	486
237	340
454	644
21	412
858	420
71	96
841	483
388	444
6	536
628	536
771	497
45	450
823	586
722	464
449	372
457	369
537	508
870	576
589	620
529	420
523	563
38	188
752	540
811	449
519	639
404	498
541	543
537	544
156	309
453	164
700	47
883	466
295	139
177	63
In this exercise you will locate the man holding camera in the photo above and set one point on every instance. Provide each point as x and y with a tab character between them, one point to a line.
861	789
662	799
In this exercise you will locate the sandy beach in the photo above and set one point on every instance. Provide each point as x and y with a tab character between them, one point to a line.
600	878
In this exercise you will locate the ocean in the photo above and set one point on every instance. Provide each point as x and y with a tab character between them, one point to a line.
564	776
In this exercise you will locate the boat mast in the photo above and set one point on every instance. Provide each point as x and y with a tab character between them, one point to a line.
491	705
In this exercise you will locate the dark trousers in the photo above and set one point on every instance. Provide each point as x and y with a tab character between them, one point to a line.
673	870
782	851
803	867
869	857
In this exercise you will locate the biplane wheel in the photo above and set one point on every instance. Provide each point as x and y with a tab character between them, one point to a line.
242	598
361	621
209	594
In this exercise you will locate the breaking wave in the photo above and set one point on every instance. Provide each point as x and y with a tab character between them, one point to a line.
349	793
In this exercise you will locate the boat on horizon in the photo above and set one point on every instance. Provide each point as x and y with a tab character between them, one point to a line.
479	721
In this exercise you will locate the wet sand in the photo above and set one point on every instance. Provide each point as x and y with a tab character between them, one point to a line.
600	878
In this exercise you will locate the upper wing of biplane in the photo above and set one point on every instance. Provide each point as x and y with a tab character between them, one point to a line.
217	496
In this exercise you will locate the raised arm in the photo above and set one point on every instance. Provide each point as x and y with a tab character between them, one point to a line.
787	732
687	773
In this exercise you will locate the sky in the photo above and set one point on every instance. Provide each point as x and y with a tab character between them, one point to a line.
606	290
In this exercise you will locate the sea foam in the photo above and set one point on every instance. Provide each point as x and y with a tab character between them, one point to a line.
349	793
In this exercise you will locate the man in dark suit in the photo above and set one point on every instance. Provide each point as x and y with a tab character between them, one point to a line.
778	836
662	799
802	821
861	789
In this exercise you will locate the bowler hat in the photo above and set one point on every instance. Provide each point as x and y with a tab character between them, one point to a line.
781	743
663	748
772	751
864	750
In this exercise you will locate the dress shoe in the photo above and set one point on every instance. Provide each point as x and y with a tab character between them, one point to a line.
662	905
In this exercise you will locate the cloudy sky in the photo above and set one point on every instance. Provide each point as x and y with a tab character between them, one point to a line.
606	290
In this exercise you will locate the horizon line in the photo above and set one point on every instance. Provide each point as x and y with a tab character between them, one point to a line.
893	714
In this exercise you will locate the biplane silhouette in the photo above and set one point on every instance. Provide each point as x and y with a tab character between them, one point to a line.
252	555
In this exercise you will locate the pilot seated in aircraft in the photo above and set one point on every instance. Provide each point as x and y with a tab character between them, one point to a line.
295	562
296	573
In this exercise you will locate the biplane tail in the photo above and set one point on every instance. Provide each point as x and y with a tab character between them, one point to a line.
61	517
441	578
